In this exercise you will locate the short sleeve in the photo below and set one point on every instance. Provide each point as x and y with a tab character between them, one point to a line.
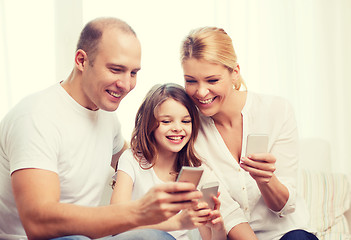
118	140
32	141
127	164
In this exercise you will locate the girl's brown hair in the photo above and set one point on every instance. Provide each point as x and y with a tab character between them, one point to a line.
143	142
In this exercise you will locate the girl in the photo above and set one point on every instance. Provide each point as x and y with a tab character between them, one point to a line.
166	127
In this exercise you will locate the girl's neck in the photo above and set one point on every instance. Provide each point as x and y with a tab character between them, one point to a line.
164	166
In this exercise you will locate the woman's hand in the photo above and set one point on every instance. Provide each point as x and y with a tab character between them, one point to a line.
261	166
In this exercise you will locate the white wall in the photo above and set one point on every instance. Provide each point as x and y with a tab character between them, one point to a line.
296	49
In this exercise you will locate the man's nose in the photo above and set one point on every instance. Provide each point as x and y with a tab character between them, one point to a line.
124	83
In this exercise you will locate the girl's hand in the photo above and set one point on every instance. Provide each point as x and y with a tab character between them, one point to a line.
215	225
195	217
261	166
216	222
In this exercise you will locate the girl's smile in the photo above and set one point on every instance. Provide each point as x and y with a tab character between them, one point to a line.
174	128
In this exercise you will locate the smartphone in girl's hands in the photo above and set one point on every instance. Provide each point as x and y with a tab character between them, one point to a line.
190	174
209	190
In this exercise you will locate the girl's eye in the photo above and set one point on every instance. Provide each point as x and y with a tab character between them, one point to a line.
165	121
186	121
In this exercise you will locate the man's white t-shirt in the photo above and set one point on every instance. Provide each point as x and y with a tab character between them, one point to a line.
49	130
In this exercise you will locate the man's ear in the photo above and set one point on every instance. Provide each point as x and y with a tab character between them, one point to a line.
80	59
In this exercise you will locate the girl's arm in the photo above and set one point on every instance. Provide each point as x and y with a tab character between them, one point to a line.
214	229
122	191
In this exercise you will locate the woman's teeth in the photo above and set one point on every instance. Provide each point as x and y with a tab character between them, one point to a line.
207	101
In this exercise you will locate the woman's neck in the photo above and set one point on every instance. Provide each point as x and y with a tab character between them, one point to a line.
230	112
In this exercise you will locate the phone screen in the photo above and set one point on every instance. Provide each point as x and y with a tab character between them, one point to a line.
256	143
190	174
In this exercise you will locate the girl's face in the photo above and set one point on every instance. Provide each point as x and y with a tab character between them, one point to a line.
208	84
174	128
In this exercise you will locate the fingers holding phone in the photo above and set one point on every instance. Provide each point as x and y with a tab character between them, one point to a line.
257	161
209	190
166	200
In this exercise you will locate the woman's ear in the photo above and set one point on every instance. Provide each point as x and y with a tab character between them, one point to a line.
80	59
235	74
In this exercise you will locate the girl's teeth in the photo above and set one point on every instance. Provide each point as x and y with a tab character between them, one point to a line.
175	138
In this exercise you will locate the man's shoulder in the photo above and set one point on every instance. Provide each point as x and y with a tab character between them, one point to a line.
37	100
35	104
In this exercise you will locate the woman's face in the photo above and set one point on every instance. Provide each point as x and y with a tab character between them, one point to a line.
208	84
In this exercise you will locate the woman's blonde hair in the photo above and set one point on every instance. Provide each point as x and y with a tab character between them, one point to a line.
211	44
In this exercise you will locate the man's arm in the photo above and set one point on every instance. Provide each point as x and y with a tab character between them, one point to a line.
115	157
37	194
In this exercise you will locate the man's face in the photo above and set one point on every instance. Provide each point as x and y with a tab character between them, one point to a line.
112	75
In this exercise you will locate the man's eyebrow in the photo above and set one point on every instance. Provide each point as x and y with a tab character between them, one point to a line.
121	66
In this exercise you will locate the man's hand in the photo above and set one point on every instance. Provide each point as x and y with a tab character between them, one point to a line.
165	200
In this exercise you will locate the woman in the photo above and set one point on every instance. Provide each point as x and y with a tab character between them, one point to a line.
264	184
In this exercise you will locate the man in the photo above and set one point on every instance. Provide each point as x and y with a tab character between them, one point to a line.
56	148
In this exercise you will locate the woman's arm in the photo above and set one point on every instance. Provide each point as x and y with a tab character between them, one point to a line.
276	172
261	167
242	231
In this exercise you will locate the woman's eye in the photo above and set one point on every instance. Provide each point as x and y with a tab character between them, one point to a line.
213	80
190	81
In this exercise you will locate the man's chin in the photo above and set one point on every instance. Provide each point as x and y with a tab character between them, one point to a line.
110	108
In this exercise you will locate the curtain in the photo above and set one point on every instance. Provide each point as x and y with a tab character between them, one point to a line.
300	50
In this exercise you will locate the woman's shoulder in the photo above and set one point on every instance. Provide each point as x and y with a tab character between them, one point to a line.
274	102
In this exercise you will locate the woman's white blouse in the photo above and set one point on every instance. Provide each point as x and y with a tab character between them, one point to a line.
262	114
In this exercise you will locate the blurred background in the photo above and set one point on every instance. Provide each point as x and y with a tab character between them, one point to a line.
297	49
